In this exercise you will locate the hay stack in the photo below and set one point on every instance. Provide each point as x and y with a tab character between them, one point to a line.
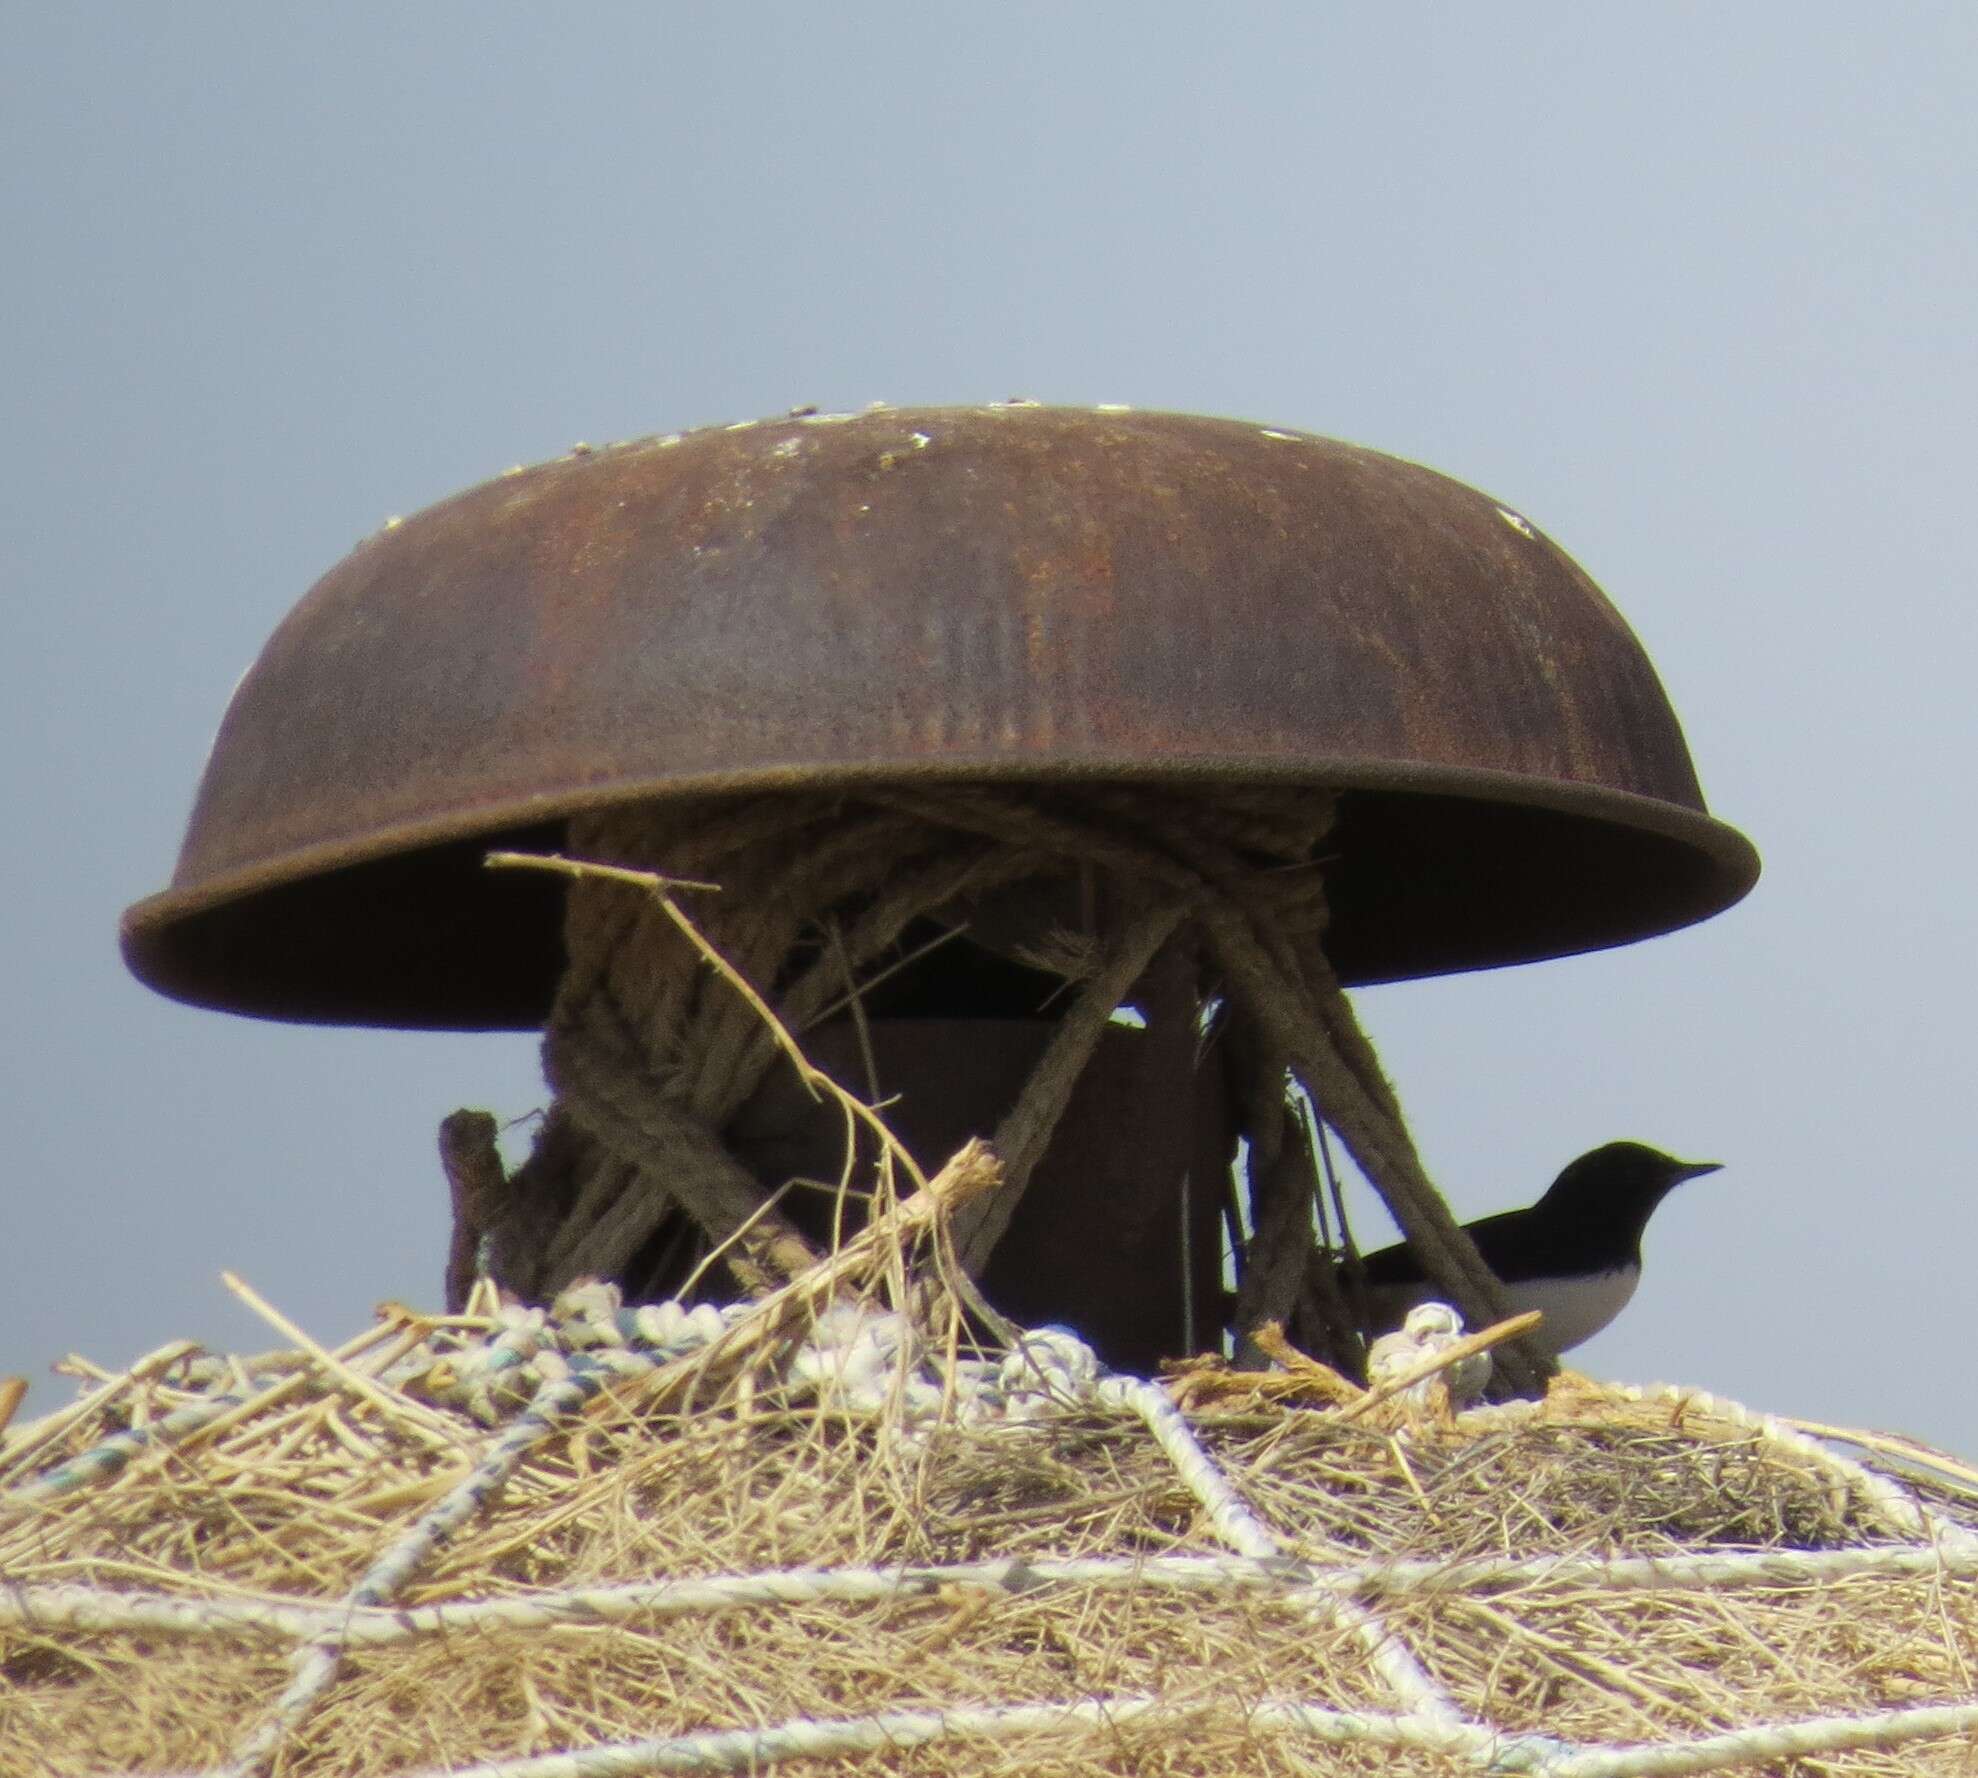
828	1528
822	1530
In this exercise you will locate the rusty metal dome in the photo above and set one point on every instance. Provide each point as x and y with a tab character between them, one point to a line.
1009	593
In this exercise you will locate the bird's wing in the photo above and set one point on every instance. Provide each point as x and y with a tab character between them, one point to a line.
1398	1264
1392	1265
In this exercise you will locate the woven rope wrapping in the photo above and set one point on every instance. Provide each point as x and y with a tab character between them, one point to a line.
511	1389
650	1056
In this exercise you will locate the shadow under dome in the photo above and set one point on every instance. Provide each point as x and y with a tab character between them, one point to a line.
1008	594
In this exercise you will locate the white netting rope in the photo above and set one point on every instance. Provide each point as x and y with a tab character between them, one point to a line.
1237	1526
77	1607
542	1367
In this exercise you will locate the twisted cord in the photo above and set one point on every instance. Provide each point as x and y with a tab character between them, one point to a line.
650	1056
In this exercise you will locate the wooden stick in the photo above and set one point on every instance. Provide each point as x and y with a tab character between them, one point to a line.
1467	1347
478	1185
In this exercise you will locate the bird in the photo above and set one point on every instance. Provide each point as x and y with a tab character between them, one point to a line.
1575	1254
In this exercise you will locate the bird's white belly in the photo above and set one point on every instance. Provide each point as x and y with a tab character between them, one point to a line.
1574	1312
1577	1311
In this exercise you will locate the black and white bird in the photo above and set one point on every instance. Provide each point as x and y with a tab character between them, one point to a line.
1575	1254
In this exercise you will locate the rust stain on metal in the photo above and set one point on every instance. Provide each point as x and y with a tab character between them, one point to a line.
1005	593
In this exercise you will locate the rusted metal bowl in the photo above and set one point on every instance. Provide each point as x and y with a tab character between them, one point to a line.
1012	593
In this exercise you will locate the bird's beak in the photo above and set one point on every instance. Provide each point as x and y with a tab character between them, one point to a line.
1697	1169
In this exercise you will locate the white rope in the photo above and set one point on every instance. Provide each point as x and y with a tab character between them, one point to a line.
734	1750
739	1750
1229	1517
1812	1736
1243	1531
107	1459
586	1337
77	1607
541	1366
319	1660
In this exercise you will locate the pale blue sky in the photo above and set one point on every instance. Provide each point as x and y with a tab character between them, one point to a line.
1691	285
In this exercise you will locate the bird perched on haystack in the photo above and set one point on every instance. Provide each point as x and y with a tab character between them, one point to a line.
1575	1254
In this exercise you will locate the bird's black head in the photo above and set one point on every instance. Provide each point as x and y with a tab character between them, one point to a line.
1620	1178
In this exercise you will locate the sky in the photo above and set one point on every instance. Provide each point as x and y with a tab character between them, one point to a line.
1692	286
